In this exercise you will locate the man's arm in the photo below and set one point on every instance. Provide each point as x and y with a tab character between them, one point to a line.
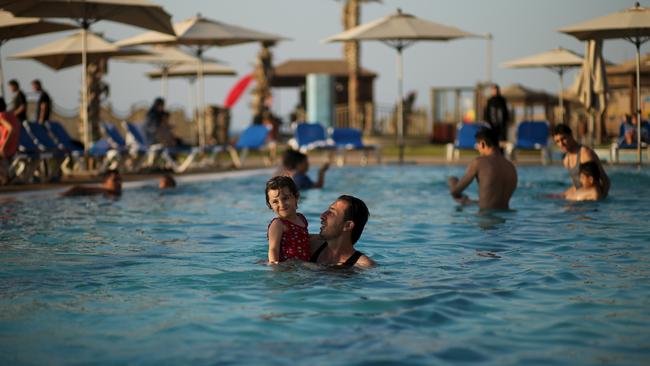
83	191
321	176
41	112
456	188
19	110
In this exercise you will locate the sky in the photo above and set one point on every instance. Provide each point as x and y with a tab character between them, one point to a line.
520	28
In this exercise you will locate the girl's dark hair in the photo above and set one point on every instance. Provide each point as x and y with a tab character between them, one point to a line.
357	212
591	169
292	158
278	183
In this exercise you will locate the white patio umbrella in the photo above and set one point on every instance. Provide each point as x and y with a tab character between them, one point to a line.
201	33
557	60
162	56
399	31
632	25
140	13
12	27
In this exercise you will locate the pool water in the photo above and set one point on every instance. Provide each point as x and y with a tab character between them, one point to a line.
172	278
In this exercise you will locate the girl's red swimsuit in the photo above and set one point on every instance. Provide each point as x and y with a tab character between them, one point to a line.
295	240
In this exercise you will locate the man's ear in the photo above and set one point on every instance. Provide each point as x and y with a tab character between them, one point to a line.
348	225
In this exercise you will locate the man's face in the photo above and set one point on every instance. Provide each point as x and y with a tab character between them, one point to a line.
303	166
13	88
564	142
113	183
35	87
332	221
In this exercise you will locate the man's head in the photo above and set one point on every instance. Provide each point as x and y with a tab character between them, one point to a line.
346	216
36	85
166	181
486	141
589	174
563	138
13	85
295	161
496	90
113	181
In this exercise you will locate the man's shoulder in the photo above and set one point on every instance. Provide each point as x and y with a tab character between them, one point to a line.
365	261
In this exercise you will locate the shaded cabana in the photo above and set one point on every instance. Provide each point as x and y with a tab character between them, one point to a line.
293	74
621	80
528	104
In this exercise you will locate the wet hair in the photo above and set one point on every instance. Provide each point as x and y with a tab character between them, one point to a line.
357	212
292	158
562	129
14	82
590	169
37	83
3	105
488	136
278	183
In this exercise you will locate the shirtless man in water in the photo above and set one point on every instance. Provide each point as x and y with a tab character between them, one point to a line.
496	176
575	156
111	186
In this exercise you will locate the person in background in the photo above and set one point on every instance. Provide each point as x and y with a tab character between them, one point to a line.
630	130
296	165
153	121
44	103
574	156
496	113
166	182
9	135
19	103
590	189
496	176
111	187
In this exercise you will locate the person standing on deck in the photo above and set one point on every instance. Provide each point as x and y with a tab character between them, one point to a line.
19	103
496	113
44	104
496	176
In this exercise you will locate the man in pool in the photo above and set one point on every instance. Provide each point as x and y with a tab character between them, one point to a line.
341	227
111	186
496	176
575	156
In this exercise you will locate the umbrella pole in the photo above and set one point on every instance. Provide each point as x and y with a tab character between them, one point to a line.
2	76
164	82
84	86
560	96
638	100
199	102
400	104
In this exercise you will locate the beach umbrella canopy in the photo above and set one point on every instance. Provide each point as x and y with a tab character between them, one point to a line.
399	31
162	56
557	60
201	33
632	25
139	13
67	52
12	27
189	70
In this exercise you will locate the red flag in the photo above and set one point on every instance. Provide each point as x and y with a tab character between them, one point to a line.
237	90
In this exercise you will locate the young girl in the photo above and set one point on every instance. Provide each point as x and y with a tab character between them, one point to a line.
287	233
590	189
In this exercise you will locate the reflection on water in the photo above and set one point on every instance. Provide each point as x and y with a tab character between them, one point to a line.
174	278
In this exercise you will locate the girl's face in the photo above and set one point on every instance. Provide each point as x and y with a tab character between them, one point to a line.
282	202
586	181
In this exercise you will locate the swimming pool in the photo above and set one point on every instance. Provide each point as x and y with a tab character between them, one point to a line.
172	278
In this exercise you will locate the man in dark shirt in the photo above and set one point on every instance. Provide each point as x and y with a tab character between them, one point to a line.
44	104
19	104
497	114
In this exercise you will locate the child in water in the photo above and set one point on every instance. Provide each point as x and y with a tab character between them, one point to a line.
287	233
589	184
296	165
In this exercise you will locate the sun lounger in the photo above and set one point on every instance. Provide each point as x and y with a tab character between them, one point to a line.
252	138
620	145
41	137
310	136
29	161
465	139
73	152
349	139
531	135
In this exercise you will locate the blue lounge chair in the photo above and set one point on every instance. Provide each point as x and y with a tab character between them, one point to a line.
135	140
310	136
531	135
465	139
252	138
29	161
349	139
620	144
41	137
